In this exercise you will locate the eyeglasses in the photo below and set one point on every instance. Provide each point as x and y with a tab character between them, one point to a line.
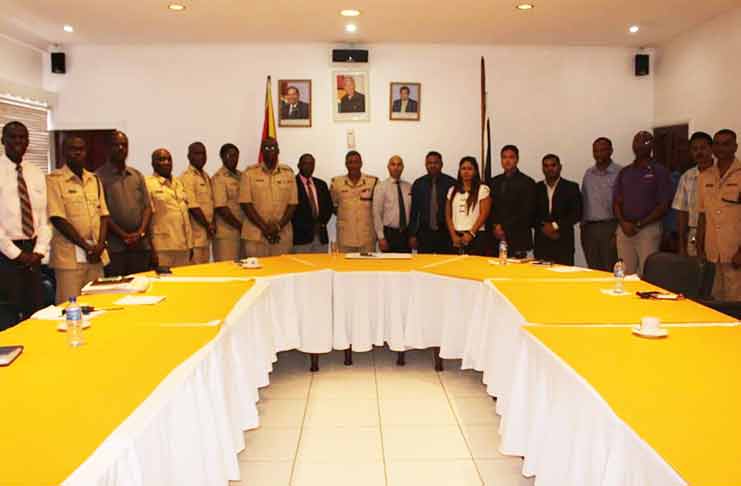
270	148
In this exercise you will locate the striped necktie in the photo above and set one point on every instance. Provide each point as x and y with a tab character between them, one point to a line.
25	200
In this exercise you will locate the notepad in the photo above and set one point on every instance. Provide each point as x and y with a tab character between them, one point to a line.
8	354
140	300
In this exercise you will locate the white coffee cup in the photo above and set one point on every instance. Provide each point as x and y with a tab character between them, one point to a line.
252	262
650	324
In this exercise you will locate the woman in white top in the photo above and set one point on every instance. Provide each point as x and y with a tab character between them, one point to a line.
467	209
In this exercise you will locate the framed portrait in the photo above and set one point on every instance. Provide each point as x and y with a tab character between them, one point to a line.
405	101
350	97
294	99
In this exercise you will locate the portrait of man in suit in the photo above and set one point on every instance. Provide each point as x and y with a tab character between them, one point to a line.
404	101
352	101
350	95
295	103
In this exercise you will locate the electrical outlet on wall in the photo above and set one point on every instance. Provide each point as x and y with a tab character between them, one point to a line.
350	138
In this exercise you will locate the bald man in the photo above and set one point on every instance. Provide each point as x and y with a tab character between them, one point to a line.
392	202
642	195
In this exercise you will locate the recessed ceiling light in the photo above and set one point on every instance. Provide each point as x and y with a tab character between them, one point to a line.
68	28
177	7
350	13
634	29
525	6
351	28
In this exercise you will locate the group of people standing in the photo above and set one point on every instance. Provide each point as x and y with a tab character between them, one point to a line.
118	222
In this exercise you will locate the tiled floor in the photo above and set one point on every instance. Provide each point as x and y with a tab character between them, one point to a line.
375	424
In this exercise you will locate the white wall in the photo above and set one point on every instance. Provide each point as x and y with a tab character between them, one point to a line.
20	64
698	75
545	99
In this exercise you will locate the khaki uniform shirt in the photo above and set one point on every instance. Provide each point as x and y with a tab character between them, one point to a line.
720	200
199	194
354	204
226	195
170	223
270	193
82	204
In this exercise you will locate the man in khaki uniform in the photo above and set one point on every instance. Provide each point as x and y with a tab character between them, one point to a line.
352	196
200	197
172	237
268	196
229	216
719	209
78	212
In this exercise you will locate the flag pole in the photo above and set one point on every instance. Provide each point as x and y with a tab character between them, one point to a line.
483	105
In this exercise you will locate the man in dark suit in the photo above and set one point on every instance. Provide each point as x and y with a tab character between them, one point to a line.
513	205
404	104
558	209
293	108
313	212
353	101
428	232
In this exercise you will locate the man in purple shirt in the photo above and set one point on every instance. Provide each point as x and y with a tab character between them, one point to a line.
643	193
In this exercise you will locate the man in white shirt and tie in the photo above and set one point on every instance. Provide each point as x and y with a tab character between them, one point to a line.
392	202
24	226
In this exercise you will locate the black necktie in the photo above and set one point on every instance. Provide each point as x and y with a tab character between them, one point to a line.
402	209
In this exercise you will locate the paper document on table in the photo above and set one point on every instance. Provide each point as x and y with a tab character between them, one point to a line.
125	286
54	313
614	292
140	300
565	269
378	256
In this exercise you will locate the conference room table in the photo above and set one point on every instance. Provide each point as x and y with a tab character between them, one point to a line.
161	394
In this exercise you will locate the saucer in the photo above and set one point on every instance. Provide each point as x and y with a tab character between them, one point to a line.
62	326
653	334
244	265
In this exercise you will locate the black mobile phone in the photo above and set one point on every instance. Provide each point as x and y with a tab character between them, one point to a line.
163	271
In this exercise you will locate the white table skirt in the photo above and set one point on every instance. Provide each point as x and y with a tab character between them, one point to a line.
190	429
567	433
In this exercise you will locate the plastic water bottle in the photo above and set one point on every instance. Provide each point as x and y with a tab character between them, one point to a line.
74	323
502	252
619	272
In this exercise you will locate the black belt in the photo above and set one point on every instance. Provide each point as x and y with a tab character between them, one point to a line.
602	221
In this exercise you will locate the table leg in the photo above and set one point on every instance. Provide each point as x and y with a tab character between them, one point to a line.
314	362
348	356
400	358
438	359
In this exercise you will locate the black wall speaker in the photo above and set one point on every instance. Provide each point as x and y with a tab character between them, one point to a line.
58	62
349	55
642	64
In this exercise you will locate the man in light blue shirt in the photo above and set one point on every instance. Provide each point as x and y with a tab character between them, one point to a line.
598	220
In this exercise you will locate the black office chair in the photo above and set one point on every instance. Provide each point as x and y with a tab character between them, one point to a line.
689	276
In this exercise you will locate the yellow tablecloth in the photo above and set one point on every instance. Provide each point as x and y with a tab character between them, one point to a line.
270	266
58	404
582	302
680	394
340	263
479	268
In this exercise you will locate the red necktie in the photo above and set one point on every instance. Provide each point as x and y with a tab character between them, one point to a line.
25	199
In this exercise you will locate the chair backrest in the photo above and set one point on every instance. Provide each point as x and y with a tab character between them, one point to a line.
689	276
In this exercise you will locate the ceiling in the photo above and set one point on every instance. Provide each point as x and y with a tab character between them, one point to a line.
555	22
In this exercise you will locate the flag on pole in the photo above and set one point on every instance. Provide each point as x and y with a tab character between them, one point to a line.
268	125
485	129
